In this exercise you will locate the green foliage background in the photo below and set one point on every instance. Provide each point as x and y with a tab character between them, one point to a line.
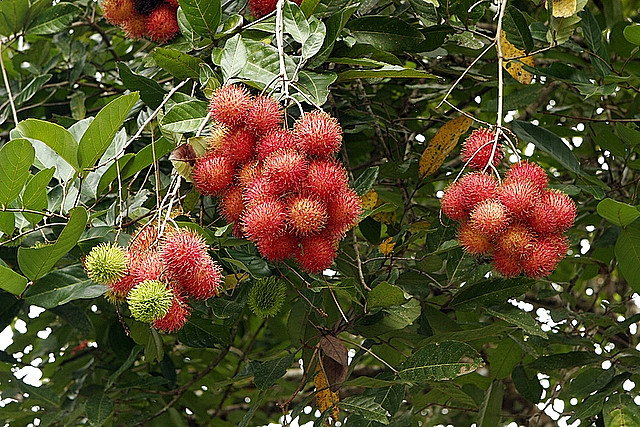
431	338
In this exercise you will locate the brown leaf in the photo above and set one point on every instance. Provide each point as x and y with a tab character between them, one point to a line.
441	144
184	153
335	361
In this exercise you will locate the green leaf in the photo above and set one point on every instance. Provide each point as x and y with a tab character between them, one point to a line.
250	413
203	15
391	71
110	176
334	26
263	62
55	136
503	358
440	362
627	252
265	374
98	406
181	65
367	407
185	116
517	29
590	407
55	19
145	157
34	196
490	292
593	38
98	136
617	213
628	135
16	157
632	34
315	85
590	380
621	411
385	33
234	57
529	387
7	222
295	22
201	333
385	295
489	414
133	356
13	15
61	286
31	89
42	395
564	360
548	142
148	337
151	92
313	43
36	262
11	281
517	317
365	180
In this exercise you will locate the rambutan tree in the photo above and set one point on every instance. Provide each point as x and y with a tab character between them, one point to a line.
319	213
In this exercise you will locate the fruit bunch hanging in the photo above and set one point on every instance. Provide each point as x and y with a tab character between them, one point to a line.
156	20
282	188
519	223
157	275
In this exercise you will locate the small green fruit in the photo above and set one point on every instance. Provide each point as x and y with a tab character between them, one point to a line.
106	263
149	301
267	296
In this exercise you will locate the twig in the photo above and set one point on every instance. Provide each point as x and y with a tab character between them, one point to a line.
280	45
8	87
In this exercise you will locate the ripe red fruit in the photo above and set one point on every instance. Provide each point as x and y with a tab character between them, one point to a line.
478	148
177	316
555	212
306	215
453	202
162	24
135	27
285	170
259	191
506	264
203	282
541	261
266	219
318	253
184	253
528	171
517	240
248	173
118	11
260	8
280	139
344	210
232	204
318	134
557	243
326	177
264	116
238	145
280	247
212	174
473	241
476	187
520	197
145	239
489	217
147	267
229	105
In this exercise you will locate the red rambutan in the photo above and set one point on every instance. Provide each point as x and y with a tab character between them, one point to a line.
232	204
520	197
541	261
525	170
248	172
135	27
229	105
118	11
318	134
145	239
453	202
285	170
326	178
177	316
505	263
184	253
162	24
476	187
259	191
474	241
489	217
555	212
557	243
318	253
238	145
344	210
306	215
280	139
516	241
280	247
147	267
212	174
478	148
266	219
217	133
260	8
204	282
264	115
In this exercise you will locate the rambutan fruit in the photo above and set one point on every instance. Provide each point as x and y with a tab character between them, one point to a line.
217	132
506	263
184	252
478	149
317	134
285	170
520	197
267	296
174	3
118	11
525	170
143	240
453	202
318	253
106	263
344	210
474	241
146	6
489	217
260	8
162	24
326	178
229	105
232	204
554	212
279	248
516	240
477	187
557	243
264	116
203	282
126	282
265	219
212	174
306	215
135	27
248	172
541	261
176	317
259	191
238	145
150	301
148	266
280	139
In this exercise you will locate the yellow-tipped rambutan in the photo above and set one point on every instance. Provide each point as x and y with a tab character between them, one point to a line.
232	204
135	27
229	105
318	253
266	219
118	11
162	24
478	149
306	215
248	173
474	241
212	174
516	240
318	134
285	170
264	116
525	170
489	217
274	141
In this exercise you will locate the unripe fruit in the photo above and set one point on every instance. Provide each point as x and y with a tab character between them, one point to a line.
318	134
232	205
489	217
150	301
265	219
318	253
285	170
266	297
306	215
326	178
106	263
162	24
280	139
175	318
478	148
525	170
473	241
238	145
212	174
264	116
229	105
279	248
520	197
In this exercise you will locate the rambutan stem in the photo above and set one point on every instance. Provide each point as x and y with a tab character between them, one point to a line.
14	112
280	45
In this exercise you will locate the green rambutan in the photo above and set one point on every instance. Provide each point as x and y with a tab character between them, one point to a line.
150	301
106	263
267	296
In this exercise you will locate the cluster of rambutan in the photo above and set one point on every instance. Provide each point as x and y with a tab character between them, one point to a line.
519	223
282	188
156	20
157	275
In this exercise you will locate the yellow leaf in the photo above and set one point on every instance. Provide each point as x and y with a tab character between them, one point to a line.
441	144
232	280
563	8
325	398
515	67
369	200
385	217
387	246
